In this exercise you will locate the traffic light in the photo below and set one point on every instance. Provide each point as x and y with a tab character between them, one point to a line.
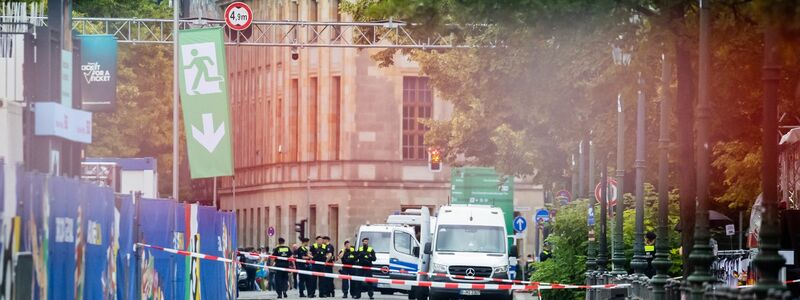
300	228
435	160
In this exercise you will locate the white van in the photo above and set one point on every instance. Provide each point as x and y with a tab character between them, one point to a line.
469	240
380	239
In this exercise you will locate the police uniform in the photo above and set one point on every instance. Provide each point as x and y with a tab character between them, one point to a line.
317	254
650	254
327	282
349	258
303	282
282	277
364	257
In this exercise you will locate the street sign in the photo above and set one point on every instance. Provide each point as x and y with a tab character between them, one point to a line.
563	196
204	97
238	16
612	192
730	230
271	231
542	216
520	224
590	217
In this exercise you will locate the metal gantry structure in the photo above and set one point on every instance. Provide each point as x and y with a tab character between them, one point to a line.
299	34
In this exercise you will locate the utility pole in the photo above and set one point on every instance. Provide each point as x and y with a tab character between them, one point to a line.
661	261
175	105
768	261
701	256
639	261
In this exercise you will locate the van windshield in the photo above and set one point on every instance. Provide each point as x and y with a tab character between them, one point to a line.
379	241
468	238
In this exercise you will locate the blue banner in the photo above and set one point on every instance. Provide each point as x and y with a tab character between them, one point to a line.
126	256
99	70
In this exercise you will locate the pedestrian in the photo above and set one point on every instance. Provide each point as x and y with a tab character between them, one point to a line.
303	253
330	257
293	276
546	254
317	252
347	255
365	255
250	269
281	277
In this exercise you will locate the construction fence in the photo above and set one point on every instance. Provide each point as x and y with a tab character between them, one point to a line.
67	239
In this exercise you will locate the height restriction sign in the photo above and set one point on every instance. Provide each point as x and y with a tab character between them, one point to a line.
238	16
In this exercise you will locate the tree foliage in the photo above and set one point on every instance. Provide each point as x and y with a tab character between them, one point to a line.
142	123
524	106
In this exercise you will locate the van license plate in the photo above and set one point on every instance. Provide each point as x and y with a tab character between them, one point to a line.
383	285
469	292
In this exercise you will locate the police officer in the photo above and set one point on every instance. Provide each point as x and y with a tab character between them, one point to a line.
347	255
650	252
365	255
330	257
317	251
303	253
546	254
282	277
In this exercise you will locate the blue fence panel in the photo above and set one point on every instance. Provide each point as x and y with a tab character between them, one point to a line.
97	207
156	227
126	256
63	222
181	238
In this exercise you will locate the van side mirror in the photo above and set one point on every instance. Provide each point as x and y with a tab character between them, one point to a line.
428	248
415	251
513	252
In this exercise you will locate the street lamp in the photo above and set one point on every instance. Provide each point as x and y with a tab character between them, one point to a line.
661	261
618	255
639	261
701	256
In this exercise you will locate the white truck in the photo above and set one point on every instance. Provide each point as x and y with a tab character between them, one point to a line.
467	240
381	237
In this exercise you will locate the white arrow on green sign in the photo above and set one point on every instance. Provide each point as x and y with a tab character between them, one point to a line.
204	98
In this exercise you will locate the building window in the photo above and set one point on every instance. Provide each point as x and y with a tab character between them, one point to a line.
336	111
294	122
312	119
417	105
312	10
336	16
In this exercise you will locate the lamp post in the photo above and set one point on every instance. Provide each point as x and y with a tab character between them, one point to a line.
701	256
639	261
618	255
769	262
661	261
591	260
602	256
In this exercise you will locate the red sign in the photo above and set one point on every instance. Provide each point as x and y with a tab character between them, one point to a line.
612	192
238	16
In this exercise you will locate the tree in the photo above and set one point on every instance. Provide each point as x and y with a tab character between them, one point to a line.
142	123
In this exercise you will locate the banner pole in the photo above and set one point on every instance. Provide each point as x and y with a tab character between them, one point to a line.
175	160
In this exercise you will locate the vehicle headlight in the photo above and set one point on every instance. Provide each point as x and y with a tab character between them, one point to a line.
437	268
500	269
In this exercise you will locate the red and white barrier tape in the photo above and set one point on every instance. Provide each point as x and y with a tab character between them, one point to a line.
388	270
434	284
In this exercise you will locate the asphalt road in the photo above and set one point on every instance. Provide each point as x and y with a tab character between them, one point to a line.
293	295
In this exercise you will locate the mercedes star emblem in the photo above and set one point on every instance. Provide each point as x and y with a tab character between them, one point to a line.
470	272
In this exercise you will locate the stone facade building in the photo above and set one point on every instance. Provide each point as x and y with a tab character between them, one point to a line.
330	134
